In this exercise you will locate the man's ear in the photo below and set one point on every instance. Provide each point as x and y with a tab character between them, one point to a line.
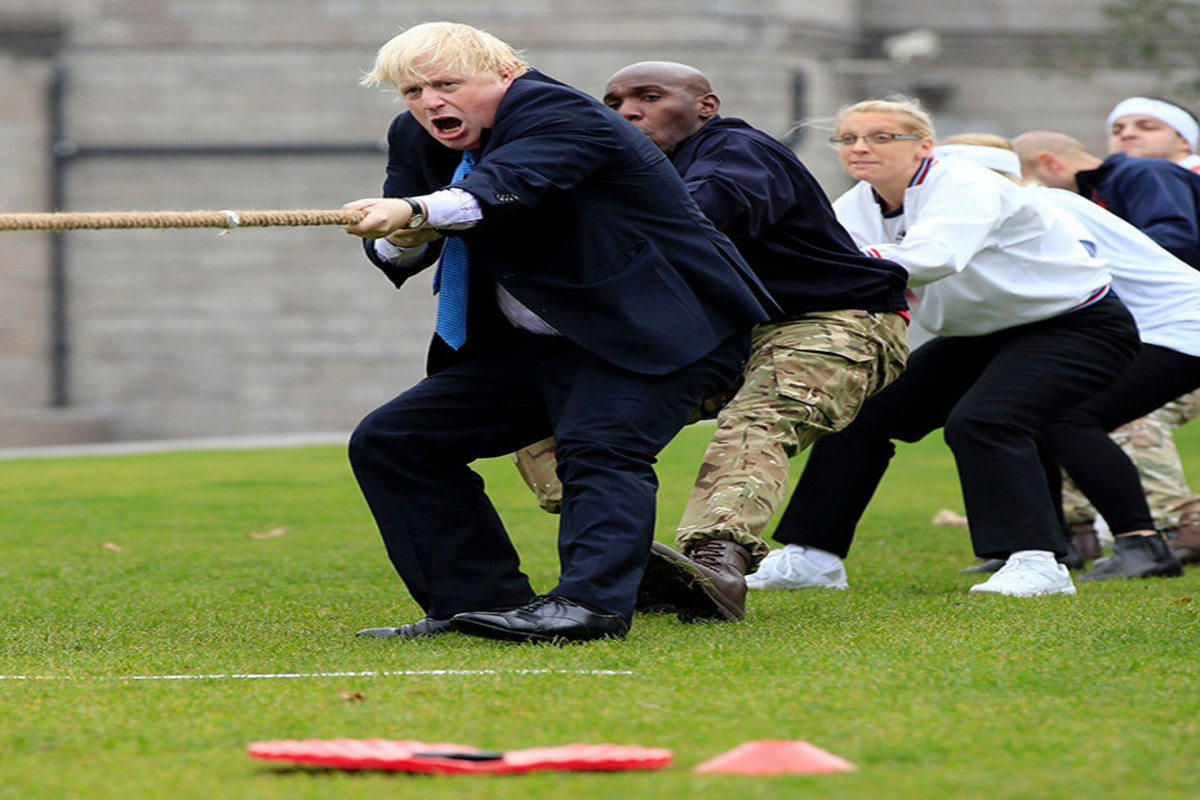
1049	164
707	105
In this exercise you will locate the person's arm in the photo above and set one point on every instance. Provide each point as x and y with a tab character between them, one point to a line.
547	146
738	185
952	227
1160	203
398	252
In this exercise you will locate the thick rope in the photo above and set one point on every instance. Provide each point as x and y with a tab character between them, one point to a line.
99	220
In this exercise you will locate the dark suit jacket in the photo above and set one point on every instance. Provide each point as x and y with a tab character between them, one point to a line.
589	226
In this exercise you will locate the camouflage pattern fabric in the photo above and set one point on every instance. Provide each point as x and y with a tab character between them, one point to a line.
806	377
1148	441
539	467
538	464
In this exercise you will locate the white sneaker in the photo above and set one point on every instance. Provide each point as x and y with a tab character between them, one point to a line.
788	568
1028	573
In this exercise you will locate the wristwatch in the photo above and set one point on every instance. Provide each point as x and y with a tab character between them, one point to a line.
418	216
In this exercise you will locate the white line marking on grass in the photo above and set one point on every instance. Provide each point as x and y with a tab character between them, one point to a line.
292	675
176	445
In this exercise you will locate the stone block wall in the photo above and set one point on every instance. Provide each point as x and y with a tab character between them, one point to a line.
190	333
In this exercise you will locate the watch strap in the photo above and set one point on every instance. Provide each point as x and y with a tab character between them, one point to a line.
418	213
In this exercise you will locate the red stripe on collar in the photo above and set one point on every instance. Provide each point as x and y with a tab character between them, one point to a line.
923	171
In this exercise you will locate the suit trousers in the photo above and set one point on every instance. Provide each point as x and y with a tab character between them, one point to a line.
441	531
992	394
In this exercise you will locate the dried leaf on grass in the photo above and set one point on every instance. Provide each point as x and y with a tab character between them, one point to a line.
949	519
116	548
268	534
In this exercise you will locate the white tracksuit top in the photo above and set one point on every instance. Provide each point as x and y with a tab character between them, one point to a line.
1162	292
981	254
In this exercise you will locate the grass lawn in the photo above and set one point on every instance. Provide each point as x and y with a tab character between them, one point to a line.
146	565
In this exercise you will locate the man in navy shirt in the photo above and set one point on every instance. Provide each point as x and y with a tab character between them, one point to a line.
840	337
1151	193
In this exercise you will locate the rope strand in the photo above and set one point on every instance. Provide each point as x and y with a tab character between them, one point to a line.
101	220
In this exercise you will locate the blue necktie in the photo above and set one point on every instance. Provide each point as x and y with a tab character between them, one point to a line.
450	282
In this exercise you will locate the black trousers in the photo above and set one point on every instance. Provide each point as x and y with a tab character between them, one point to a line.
1100	468
992	395
441	531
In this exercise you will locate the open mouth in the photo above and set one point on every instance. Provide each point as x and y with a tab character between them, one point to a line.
448	124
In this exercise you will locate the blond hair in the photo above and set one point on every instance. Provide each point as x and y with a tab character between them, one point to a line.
409	55
908	111
980	140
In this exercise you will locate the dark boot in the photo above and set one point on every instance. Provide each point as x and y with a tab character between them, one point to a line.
1083	534
707	583
1073	559
1137	557
1185	540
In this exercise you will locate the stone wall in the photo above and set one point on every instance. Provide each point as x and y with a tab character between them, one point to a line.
23	291
175	334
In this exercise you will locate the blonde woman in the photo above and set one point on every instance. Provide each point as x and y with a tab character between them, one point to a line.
1027	328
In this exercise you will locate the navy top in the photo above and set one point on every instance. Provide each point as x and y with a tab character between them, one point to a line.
757	193
1154	194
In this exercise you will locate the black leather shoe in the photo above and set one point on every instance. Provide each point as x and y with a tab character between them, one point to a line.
548	618
707	583
1137	557
420	629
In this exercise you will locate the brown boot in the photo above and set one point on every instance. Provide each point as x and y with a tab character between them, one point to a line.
1086	540
707	583
1185	540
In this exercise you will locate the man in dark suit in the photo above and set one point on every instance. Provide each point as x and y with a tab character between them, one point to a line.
600	307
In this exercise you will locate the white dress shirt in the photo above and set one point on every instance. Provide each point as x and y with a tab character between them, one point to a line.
456	210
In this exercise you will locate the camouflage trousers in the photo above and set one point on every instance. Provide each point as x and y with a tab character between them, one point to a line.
806	377
1148	441
539	467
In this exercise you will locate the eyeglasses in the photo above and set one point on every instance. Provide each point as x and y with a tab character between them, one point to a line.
848	139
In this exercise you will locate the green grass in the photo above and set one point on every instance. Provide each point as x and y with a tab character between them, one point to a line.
931	692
